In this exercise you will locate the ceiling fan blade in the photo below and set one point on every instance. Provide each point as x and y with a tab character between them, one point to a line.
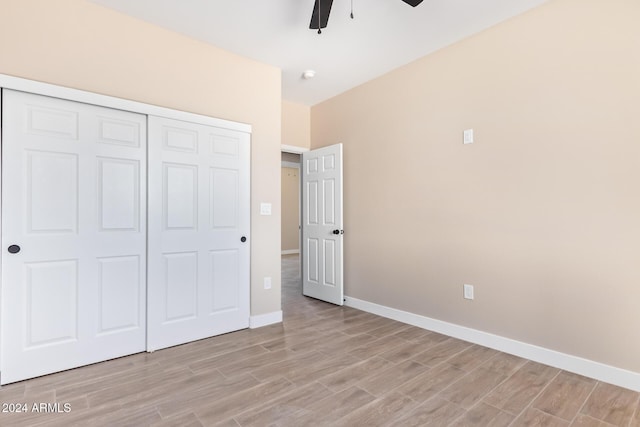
322	7
413	3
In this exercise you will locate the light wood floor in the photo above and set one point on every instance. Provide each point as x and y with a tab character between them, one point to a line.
325	365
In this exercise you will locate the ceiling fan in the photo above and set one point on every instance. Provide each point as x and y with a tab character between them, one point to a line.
322	8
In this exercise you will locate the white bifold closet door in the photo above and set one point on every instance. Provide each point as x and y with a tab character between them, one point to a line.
198	251
73	234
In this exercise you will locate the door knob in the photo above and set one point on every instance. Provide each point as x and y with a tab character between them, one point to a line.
243	239
13	249
336	231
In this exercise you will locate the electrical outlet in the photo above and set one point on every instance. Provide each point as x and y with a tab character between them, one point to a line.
267	282
468	291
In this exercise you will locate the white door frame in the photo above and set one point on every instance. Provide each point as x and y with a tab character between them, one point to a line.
293	149
46	89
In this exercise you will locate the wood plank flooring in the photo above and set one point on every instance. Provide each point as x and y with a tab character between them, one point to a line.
325	365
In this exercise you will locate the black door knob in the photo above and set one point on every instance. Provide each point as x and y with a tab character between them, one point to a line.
14	249
243	239
336	231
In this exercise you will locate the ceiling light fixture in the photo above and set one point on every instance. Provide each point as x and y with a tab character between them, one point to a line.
308	74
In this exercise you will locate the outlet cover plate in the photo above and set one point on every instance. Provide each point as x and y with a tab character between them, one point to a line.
468	136
468	291
265	208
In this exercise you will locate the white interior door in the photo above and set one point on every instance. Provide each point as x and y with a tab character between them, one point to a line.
73	234
199	250
322	233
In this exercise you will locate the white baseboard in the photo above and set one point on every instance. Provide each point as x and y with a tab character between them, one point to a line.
290	251
265	319
567	362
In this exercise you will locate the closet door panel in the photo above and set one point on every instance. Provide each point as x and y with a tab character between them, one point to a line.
74	201
198	261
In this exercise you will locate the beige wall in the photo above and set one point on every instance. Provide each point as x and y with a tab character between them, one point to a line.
296	126
290	209
541	213
81	45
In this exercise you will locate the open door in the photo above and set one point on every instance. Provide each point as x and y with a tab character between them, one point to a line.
322	233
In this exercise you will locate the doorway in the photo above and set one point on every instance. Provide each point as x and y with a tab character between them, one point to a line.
319	232
290	192
291	208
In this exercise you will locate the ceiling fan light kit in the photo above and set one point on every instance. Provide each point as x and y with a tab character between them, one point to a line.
322	9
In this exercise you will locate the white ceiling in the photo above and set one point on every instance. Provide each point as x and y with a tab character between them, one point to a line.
384	35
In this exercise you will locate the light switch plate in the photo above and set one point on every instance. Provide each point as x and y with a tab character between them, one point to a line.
265	208
468	291
468	136
267	282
